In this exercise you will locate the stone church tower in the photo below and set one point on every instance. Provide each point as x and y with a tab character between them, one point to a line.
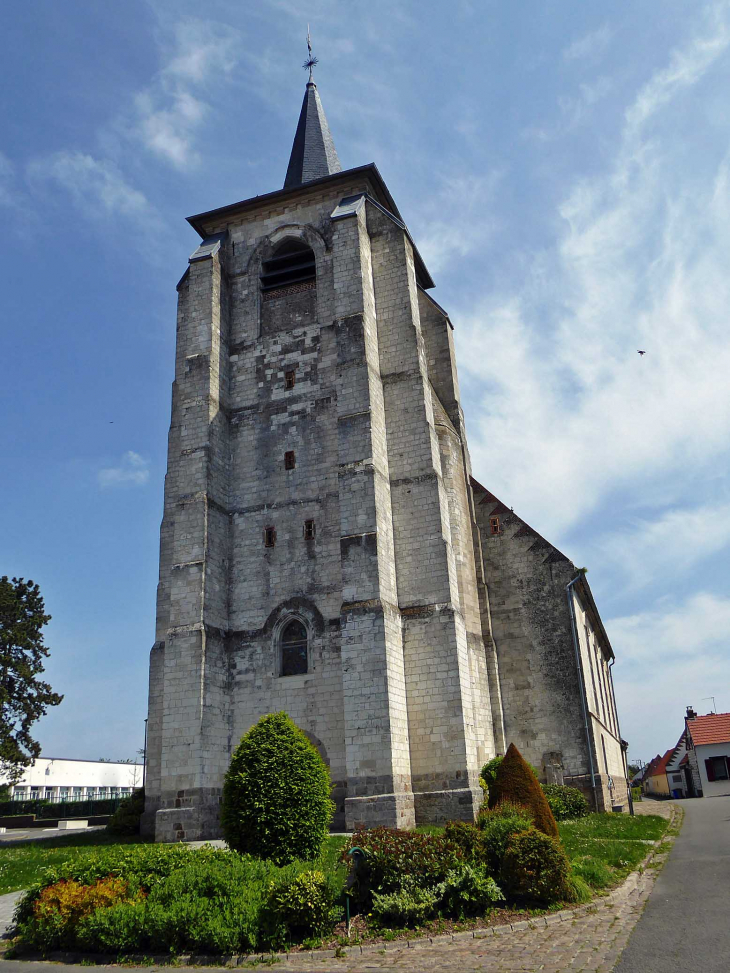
320	552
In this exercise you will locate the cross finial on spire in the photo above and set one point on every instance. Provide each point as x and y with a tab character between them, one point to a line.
311	60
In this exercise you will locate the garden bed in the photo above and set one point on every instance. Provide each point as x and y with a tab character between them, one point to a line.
602	849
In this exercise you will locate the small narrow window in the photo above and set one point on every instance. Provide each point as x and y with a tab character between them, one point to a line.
290	379
290	460
294	649
494	525
309	530
269	537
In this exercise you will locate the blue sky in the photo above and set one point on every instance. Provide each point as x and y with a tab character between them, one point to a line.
565	171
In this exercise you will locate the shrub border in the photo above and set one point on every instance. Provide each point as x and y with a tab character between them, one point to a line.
418	942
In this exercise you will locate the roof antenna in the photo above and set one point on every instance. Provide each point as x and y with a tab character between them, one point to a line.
311	60
714	708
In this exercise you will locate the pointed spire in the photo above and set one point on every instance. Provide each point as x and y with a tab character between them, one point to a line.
313	154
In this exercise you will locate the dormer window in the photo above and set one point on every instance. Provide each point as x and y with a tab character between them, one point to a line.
291	266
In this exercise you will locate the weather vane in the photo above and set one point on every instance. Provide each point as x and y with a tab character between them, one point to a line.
311	60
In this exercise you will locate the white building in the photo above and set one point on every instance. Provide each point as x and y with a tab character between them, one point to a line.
679	772
709	752
59	779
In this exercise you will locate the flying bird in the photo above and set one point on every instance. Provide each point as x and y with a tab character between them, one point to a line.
641	352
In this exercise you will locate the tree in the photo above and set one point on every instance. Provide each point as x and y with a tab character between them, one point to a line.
23	697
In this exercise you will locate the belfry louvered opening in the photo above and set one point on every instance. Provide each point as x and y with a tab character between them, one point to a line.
293	263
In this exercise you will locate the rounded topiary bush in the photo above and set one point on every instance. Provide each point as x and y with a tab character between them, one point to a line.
276	795
515	782
497	828
535	868
566	803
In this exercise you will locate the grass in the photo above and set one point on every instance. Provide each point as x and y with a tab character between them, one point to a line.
604	848
23	863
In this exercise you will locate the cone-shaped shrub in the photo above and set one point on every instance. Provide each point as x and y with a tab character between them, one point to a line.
515	782
276	795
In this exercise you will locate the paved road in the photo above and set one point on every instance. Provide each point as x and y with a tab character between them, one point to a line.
686	923
7	908
14	835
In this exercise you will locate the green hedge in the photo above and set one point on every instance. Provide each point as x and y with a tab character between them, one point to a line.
79	809
126	818
64	809
11	808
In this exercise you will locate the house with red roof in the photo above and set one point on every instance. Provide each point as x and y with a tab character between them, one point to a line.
656	783
709	751
682	782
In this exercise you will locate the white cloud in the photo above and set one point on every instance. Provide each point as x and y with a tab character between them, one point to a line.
669	657
674	632
96	185
589	47
455	221
7	180
687	66
640	263
132	470
671	543
170	112
201	49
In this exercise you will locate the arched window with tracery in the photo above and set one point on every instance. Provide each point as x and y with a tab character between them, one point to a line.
294	648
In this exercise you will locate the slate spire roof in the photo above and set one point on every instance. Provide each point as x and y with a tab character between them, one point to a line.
313	154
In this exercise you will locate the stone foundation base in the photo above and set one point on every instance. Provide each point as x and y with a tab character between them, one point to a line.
602	798
147	824
438	807
191	815
388	810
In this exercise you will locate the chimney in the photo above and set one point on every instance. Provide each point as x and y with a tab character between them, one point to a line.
690	713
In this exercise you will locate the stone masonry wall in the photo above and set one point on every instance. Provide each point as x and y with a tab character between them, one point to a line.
540	679
540	686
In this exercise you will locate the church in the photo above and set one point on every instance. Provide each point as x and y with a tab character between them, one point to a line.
325	549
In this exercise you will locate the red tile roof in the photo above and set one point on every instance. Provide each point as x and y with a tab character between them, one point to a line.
659	764
714	728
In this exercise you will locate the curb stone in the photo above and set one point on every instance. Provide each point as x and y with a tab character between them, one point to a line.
628	887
